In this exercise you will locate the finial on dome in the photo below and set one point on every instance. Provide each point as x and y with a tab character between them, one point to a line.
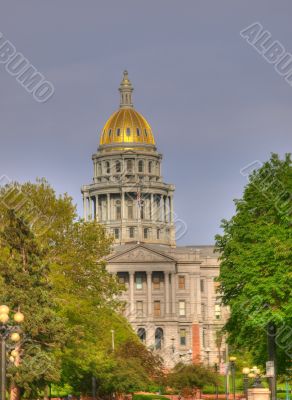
126	90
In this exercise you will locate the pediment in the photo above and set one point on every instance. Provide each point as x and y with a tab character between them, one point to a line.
140	254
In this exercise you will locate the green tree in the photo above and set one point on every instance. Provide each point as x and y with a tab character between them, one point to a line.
82	292
189	378
256	262
132	368
24	283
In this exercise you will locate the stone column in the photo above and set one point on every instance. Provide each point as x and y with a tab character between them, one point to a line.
193	297
149	292
198	297
96	208
90	208
123	206
131	293
85	208
108	207
210	308
166	289
171	209
173	290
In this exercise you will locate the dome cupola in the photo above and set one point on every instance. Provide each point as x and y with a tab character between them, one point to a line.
126	126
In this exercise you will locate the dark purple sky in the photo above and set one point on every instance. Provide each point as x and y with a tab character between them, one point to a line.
214	103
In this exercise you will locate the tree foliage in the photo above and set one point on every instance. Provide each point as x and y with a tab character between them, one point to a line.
188	378
52	265
256	262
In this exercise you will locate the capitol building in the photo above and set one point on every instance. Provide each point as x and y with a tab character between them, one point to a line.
170	293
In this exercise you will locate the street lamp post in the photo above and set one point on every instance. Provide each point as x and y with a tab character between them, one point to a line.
208	356
245	372
232	360
172	346
7	331
113	339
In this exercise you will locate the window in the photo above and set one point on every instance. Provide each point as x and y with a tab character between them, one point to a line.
118	132
182	337
130	165
131	232
139	308
128	132
182	308
145	131
157	309
181	282
217	311
150	167
116	233
202	285
118	166
130	210
139	282
138	132
142	334
146	231
118	209
156	282
158	338
107	167
140	166
110	133
203	311
158	234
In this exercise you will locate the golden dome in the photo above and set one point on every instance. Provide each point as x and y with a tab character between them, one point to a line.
126	125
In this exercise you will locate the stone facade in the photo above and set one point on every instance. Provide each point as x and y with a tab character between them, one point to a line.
170	291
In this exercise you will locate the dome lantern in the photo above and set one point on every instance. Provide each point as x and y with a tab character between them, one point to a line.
126	90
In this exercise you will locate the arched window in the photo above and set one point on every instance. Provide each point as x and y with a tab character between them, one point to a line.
110	133
107	167
158	338
99	168
130	165
118	166
140	166
145	131
118	132
138	132
142	334
150	167
128	132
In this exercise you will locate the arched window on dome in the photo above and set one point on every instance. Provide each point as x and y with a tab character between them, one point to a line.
150	167
118	166
145	131
109	133
118	132
129	165
138	132
142	334
128	132
158	338
140	166
107	167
